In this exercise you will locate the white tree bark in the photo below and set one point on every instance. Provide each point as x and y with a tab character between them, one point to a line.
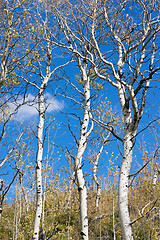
84	132
123	188
95	169
128	142
1	188
78	160
127	94
39	164
41	111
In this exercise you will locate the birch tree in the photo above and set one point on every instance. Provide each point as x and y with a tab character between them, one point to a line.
36	73
85	131
67	42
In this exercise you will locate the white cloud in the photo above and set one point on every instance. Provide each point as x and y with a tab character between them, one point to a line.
29	110
53	104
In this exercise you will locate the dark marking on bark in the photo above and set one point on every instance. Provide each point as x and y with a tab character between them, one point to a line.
81	166
83	234
80	189
120	74
44	86
39	191
89	48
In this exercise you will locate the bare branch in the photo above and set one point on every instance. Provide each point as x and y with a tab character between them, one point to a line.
147	213
154	156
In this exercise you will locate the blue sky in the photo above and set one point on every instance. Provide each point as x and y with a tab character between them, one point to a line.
27	116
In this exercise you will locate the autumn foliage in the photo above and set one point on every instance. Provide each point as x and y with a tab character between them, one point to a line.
61	210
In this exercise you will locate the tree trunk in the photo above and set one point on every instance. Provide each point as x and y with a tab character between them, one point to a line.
1	197
39	164
78	160
81	181
83	205
123	187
